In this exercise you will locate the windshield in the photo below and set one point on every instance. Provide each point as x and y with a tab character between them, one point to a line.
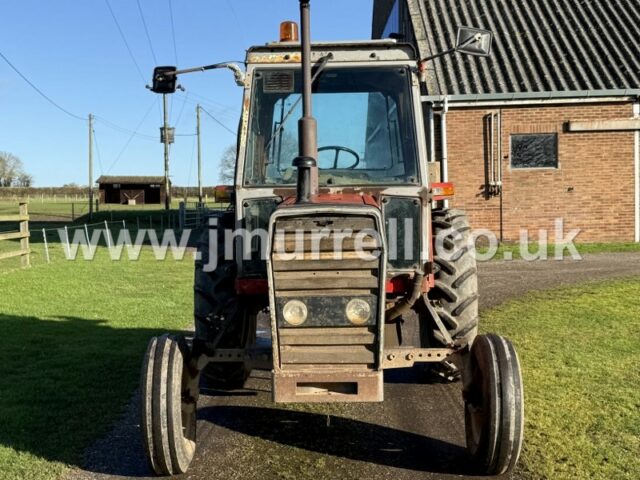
366	131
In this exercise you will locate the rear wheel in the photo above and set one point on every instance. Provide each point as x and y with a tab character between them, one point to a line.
216	304
454	296
169	394
494	404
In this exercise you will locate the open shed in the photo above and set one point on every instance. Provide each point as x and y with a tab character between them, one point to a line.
131	190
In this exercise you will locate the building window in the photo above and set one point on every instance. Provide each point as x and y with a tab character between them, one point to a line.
539	150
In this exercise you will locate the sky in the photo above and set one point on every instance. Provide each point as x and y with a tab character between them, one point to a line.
72	50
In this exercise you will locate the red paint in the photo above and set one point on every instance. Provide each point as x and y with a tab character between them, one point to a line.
252	286
402	284
337	198
397	285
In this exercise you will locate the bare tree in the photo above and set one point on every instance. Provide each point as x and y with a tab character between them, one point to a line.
25	180
11	170
228	165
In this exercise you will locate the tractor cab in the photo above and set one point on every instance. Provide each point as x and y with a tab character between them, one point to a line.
363	101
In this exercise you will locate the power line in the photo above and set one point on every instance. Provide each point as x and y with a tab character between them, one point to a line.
175	48
238	22
126	145
40	92
146	31
127	131
211	101
219	122
227	115
184	101
95	142
124	39
173	32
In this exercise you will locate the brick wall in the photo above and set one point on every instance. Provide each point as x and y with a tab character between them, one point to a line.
592	188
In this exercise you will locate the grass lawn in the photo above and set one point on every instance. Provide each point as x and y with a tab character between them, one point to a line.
580	354
73	336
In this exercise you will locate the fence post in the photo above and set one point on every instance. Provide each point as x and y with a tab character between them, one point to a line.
73	212
46	245
107	234
66	234
181	215
24	241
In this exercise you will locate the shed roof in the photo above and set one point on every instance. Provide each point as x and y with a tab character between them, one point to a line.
129	180
539	46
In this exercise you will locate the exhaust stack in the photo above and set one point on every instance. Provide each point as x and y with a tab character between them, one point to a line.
306	163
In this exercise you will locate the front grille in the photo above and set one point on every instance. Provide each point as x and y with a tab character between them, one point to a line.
325	261
306	262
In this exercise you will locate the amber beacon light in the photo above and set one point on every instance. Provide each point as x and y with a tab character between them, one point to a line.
288	31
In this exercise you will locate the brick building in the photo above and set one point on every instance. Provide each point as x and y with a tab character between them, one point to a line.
545	127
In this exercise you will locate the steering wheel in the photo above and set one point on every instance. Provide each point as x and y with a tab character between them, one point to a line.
339	149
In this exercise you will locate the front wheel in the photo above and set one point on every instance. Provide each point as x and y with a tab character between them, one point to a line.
493	404
169	391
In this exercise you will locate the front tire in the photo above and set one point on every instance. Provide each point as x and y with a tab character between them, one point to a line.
494	405
169	399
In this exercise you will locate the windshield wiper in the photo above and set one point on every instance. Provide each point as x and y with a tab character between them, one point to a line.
322	63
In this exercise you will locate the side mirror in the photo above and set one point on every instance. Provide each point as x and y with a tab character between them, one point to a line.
474	41
164	80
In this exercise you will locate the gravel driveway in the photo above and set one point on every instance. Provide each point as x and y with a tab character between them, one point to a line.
418	432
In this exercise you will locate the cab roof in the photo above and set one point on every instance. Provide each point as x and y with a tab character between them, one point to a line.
350	51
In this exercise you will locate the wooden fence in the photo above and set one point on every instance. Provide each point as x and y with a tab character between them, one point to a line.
22	235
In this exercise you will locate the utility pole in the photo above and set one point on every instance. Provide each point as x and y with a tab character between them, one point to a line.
199	156
167	186
90	166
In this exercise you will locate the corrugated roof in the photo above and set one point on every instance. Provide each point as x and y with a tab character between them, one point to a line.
539	45
129	180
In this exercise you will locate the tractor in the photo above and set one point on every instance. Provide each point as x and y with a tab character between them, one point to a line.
338	233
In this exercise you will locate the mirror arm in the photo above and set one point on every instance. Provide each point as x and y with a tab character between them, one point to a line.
469	41
438	55
238	74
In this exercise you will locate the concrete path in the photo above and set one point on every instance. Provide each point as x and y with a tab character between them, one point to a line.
417	433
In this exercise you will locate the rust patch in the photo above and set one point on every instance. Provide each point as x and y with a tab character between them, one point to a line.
275	58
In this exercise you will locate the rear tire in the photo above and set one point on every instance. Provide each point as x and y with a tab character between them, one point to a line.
215	300
494	405
455	293
454	296
168	400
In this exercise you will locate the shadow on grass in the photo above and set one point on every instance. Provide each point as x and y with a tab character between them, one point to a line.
63	382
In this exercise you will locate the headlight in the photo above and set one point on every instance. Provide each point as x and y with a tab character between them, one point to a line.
294	312
358	311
